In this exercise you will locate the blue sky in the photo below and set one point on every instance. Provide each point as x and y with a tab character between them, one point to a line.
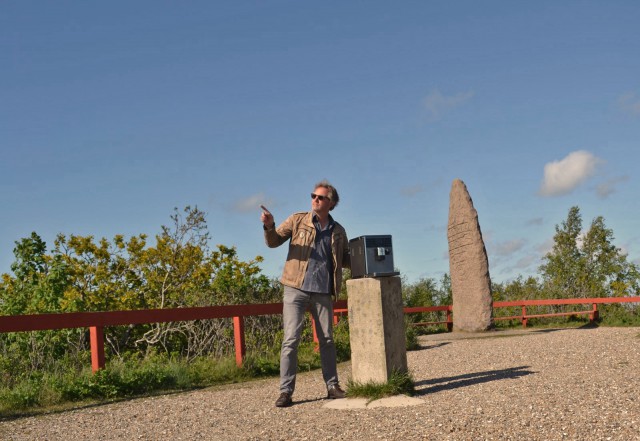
113	113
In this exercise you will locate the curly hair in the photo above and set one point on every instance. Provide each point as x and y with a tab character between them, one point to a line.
333	193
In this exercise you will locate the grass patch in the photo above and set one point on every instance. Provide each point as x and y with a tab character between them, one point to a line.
133	375
39	393
400	383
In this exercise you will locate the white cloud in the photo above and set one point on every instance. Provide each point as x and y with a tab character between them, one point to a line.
412	191
440	229
564	176
509	247
527	261
624	250
535	221
251	203
438	104
604	189
546	247
523	264
630	103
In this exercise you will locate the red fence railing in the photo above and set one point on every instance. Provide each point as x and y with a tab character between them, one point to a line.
592	312
96	321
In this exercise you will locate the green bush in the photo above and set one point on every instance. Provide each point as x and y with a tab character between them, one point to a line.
410	336
620	315
104	384
262	366
24	395
341	340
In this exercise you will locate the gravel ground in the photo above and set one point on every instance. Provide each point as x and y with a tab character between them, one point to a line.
570	384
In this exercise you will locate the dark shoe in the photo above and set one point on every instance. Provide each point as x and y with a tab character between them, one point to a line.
334	392
284	400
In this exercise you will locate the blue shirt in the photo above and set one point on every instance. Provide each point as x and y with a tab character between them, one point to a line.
319	275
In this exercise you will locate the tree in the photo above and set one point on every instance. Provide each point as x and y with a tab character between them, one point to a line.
39	283
181	271
518	289
82	274
445	295
420	293
427	292
104	276
589	264
606	267
38	286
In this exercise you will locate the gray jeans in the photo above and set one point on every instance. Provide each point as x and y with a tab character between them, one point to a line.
296	303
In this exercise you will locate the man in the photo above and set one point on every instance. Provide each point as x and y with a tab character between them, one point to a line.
318	250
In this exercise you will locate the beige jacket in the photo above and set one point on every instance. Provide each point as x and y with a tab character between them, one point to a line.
300	230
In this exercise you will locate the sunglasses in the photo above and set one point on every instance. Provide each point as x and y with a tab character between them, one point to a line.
319	197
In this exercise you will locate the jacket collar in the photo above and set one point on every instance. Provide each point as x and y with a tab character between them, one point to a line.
311	218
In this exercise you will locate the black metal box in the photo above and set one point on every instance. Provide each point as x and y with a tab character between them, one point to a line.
371	256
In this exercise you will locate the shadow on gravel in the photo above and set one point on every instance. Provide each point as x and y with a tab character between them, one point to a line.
583	327
71	406
425	347
449	383
310	400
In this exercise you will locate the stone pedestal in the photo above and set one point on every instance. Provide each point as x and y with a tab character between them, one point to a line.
376	329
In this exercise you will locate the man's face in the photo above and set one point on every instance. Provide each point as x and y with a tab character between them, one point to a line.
320	202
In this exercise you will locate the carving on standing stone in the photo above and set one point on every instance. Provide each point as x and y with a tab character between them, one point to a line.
468	264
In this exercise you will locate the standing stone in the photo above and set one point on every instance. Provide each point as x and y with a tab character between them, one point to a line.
468	264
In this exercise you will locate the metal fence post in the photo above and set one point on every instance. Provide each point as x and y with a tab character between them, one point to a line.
238	337
594	314
96	334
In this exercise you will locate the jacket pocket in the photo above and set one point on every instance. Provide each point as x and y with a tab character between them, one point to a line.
300	244
303	236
